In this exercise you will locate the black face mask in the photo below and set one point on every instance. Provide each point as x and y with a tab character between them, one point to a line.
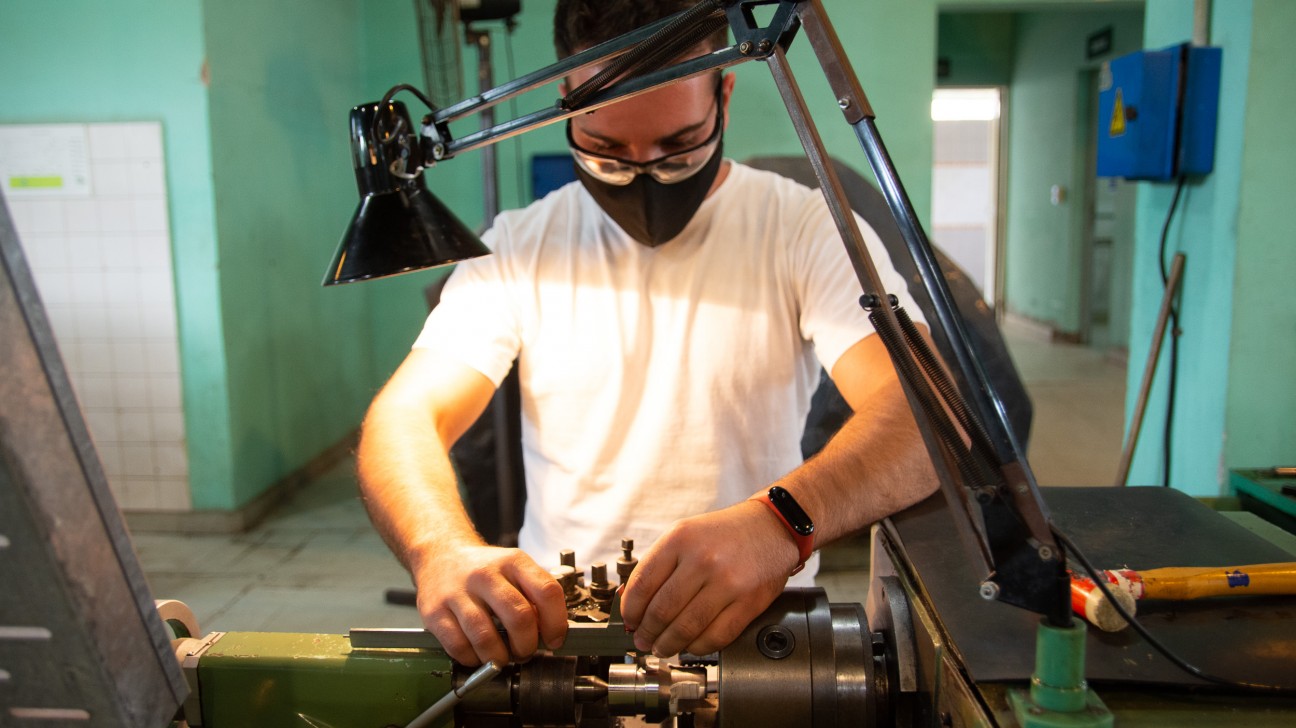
649	211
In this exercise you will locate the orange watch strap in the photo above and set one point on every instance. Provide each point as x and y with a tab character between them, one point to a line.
805	544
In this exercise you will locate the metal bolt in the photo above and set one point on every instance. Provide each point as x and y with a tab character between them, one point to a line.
627	563
1045	553
566	576
745	47
764	46
869	301
567	557
599	587
775	641
844	103
989	591
438	151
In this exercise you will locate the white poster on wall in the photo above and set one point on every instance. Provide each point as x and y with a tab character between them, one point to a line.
44	160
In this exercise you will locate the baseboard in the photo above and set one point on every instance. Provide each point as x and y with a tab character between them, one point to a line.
1035	330
249	514
1024	327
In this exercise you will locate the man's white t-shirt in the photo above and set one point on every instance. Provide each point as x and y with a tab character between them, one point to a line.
657	383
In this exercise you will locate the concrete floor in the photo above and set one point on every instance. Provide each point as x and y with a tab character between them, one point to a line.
1079	397
316	564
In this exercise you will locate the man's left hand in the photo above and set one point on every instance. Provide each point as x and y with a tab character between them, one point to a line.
699	586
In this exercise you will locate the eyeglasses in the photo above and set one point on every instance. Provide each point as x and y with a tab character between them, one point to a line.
667	169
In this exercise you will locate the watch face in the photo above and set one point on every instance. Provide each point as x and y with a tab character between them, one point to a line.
791	511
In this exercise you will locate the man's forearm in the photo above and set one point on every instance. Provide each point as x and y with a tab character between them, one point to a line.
874	466
408	484
466	589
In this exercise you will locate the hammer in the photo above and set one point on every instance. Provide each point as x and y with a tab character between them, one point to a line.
1175	583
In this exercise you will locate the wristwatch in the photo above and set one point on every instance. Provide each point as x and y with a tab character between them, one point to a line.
794	518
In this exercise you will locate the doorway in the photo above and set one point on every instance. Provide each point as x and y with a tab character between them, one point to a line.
965	183
1107	237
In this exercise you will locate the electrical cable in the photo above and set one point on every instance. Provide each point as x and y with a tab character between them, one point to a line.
1101	582
1172	383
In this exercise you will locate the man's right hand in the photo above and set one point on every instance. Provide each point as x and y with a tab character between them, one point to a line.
461	588
411	493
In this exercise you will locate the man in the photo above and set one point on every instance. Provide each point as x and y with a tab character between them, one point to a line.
666	312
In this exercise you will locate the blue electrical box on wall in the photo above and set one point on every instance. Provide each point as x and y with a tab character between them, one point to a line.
1157	112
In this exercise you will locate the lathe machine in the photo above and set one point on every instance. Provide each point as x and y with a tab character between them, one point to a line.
920	654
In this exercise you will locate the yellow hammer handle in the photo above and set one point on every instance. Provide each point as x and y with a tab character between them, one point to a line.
1195	582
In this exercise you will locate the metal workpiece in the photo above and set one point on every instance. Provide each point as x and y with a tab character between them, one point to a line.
656	690
588	692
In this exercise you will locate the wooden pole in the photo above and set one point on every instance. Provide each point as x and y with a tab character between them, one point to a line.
1167	300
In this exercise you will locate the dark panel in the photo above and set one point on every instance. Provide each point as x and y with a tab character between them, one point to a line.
78	630
1240	638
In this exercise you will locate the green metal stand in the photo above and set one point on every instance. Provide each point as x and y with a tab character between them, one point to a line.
1059	697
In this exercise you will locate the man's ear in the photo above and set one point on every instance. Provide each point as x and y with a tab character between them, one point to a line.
727	82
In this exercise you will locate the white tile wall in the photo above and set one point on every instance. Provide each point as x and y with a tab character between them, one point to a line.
102	263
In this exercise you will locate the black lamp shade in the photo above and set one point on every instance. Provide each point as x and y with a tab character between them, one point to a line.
399	226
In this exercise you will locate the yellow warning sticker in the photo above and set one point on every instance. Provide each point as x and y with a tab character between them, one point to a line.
1118	116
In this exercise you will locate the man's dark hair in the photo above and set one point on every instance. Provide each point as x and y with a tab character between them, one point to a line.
579	24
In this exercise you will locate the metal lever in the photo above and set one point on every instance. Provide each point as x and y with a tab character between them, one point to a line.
481	676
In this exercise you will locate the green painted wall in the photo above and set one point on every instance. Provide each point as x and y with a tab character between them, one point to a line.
1260	416
1043	248
978	48
87	61
1205	229
275	368
280	74
892	47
